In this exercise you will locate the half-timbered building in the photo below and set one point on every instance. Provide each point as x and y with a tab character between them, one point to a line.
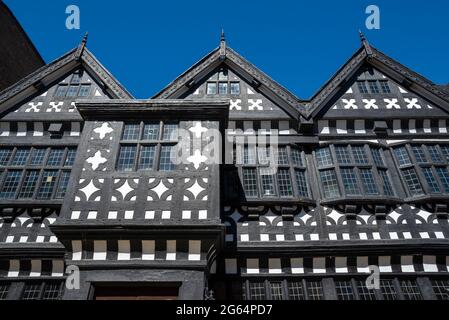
90	188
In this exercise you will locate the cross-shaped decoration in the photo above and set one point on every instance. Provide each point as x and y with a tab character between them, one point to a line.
412	103
96	160
235	105
104	130
371	103
198	130
197	159
392	103
350	104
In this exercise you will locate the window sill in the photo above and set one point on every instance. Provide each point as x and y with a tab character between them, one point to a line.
373	200
276	201
429	198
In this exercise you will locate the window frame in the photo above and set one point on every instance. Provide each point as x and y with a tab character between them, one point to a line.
60	169
291	167
140	142
419	167
356	169
77	85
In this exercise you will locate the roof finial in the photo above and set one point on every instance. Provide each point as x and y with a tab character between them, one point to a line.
365	44
85	38
222	45
82	46
223	38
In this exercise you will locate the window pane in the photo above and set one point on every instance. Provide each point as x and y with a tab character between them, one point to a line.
374	88
21	157
435	154
127	158
63	184
441	289
412	181
31	292
343	156
211	88
11	184
37	157
314	290
445	150
323	157
170	132
167	162
301	183
55	157
250	182
276	291
5	155
257	291
369	184
297	157
267	177
61	91
419	154
235	88
70	159
264	155
4	288
47	184
282	156
84	90
388	189
385	87
443	174
52	291
72	91
344	290
29	184
285	183
330	184
364	292
410	290
223	88
76	79
388	290
131	132
360	156
377	157
296	291
402	156
350	182
249	155
147	154
362	87
431	181
151	131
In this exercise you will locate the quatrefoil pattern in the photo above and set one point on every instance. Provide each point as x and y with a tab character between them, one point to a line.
160	189
89	190
124	190
196	189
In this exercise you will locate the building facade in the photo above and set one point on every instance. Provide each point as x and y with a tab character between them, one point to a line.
95	204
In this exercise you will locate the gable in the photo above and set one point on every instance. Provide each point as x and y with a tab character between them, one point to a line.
59	98
245	99
373	95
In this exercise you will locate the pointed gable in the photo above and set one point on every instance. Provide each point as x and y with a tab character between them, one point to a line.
257	90
46	80
369	64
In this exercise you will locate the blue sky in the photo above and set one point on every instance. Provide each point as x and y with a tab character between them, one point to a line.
300	44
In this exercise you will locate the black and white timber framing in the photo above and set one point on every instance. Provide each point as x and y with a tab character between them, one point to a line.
363	180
